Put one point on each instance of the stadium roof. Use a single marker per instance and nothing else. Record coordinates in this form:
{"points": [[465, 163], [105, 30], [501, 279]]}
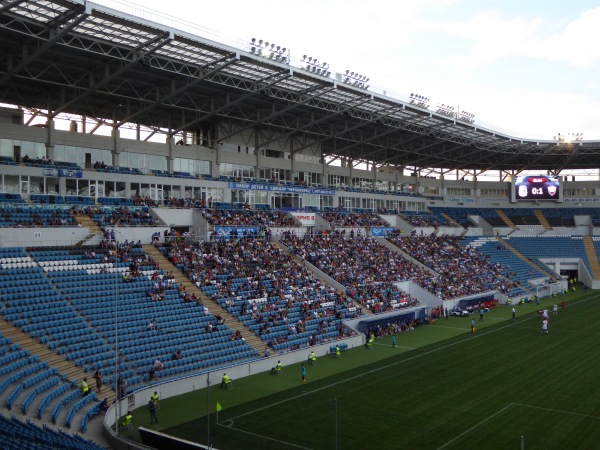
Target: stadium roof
{"points": [[70, 56]]}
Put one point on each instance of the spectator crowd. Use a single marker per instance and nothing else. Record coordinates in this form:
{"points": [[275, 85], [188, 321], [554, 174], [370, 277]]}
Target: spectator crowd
{"points": [[274, 295]]}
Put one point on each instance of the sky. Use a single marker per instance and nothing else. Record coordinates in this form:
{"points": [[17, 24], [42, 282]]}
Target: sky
{"points": [[527, 68]]}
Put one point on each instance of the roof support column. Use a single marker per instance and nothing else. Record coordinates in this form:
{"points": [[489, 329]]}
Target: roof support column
{"points": [[170, 158], [256, 151], [115, 134], [324, 177], [50, 139]]}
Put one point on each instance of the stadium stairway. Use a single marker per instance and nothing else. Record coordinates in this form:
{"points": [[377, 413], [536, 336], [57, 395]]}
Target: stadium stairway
{"points": [[543, 221], [65, 368], [506, 219], [590, 251], [453, 222], [67, 371], [95, 230], [231, 322], [516, 252]]}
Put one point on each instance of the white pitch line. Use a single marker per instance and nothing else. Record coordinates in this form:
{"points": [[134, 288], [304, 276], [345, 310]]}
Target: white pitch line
{"points": [[475, 426], [397, 346], [265, 437], [558, 411]]}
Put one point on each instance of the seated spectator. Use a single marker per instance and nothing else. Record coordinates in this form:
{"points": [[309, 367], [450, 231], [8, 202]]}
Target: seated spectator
{"points": [[158, 364], [104, 405], [178, 354], [236, 336], [152, 374]]}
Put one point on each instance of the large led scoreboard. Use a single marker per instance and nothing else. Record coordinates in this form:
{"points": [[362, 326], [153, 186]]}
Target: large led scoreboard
{"points": [[537, 187]]}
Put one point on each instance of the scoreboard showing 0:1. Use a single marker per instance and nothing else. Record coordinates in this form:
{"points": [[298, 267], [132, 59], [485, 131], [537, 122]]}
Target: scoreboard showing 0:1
{"points": [[537, 187], [537, 191]]}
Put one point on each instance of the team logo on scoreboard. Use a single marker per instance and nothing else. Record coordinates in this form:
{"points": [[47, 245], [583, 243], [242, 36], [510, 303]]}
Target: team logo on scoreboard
{"points": [[552, 190], [522, 191]]}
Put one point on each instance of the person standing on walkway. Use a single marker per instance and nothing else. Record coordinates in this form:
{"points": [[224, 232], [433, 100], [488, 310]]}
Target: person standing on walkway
{"points": [[152, 409], [99, 381]]}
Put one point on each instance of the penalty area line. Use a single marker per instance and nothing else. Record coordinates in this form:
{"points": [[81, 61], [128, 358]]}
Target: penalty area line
{"points": [[231, 427]]}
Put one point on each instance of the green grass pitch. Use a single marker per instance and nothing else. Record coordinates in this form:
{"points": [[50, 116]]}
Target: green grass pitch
{"points": [[505, 387]]}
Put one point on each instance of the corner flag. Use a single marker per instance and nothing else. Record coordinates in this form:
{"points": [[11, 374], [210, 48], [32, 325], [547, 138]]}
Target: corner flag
{"points": [[219, 407]]}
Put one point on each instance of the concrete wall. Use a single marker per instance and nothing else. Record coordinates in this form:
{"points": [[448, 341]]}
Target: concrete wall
{"points": [[450, 231], [175, 217], [41, 237], [474, 231]]}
